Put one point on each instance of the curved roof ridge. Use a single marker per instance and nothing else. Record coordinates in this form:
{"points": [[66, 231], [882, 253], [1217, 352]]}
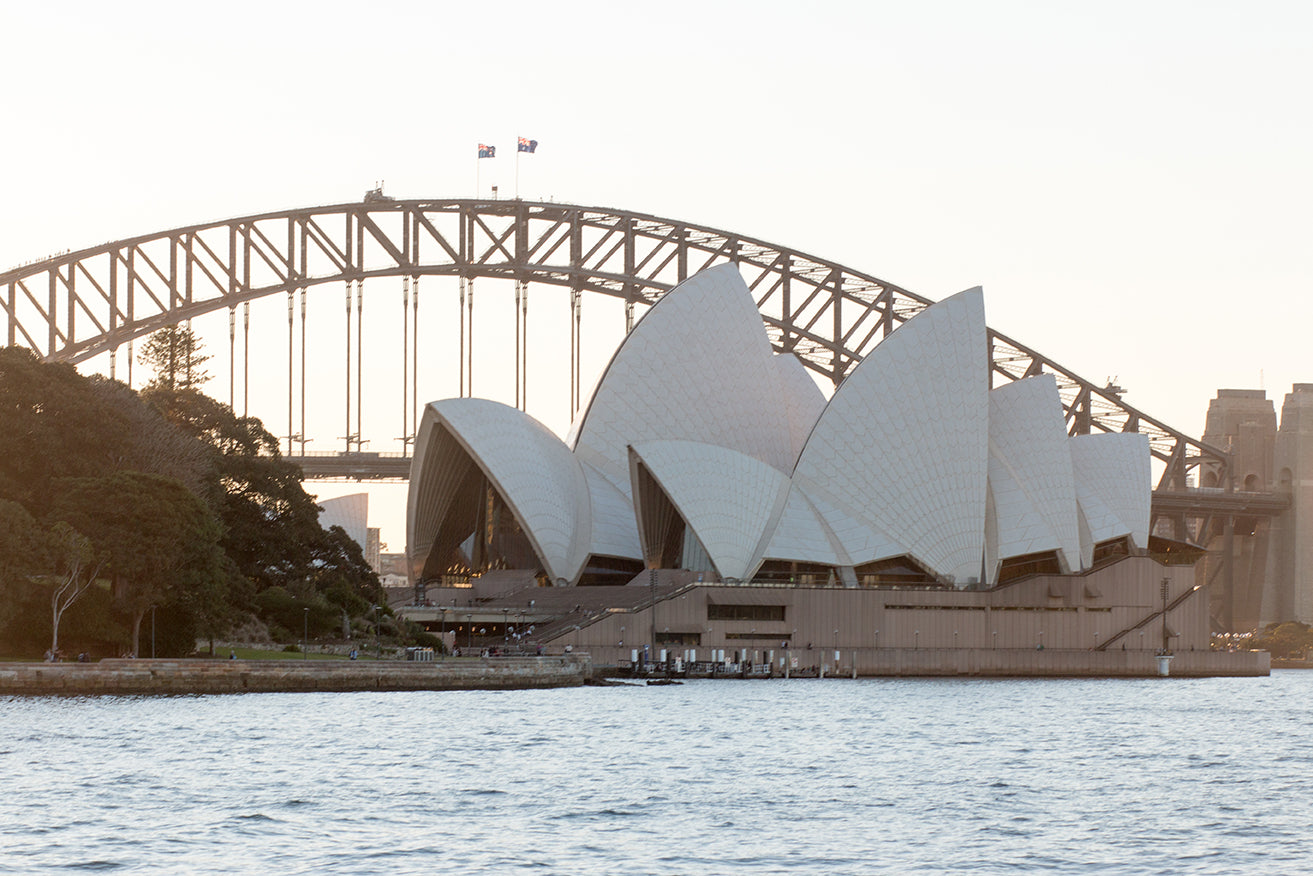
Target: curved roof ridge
{"points": [[904, 439], [730, 500], [1113, 484], [533, 471], [696, 367], [1031, 479]]}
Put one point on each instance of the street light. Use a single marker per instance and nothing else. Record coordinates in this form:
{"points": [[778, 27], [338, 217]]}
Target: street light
{"points": [[305, 633], [152, 632], [505, 613]]}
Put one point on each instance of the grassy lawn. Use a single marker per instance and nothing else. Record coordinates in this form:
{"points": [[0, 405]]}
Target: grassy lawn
{"points": [[258, 654]]}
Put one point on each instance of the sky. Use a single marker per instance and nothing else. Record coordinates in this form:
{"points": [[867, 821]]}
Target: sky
{"points": [[1129, 181]]}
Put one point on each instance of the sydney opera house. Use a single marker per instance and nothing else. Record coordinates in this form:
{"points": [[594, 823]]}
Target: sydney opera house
{"points": [[709, 461]]}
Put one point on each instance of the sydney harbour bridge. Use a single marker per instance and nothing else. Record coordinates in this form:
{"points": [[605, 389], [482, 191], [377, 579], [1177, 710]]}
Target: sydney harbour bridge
{"points": [[86, 303]]}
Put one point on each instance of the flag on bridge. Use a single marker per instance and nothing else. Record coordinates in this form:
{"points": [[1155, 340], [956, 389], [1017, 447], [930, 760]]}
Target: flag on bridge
{"points": [[527, 145], [487, 151]]}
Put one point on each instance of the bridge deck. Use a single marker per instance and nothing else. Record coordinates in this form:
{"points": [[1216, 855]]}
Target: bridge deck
{"points": [[353, 466]]}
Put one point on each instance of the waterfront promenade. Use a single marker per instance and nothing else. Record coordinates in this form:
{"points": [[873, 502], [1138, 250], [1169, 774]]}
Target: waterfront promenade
{"points": [[145, 676]]}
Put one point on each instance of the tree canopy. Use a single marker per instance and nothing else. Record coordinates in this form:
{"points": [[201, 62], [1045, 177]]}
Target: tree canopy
{"points": [[181, 505], [176, 355]]}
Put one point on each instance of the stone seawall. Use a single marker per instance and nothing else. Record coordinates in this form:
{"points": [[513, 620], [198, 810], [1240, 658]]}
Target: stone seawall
{"points": [[150, 677]]}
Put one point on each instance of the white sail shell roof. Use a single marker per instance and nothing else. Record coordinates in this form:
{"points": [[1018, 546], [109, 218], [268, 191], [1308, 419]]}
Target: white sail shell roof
{"points": [[697, 367], [912, 456], [531, 468], [903, 443], [730, 500], [1030, 472], [614, 528], [351, 512], [803, 536], [803, 401], [1113, 484]]}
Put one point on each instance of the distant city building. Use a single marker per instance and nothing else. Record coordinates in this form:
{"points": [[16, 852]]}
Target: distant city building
{"points": [[1291, 552], [1271, 574]]}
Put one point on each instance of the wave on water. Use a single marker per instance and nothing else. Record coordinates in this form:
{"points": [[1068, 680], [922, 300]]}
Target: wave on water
{"points": [[880, 776]]}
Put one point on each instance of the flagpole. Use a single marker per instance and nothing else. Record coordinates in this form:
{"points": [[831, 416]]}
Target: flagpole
{"points": [[517, 168]]}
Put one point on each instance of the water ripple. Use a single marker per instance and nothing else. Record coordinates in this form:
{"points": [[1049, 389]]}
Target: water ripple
{"points": [[881, 776]]}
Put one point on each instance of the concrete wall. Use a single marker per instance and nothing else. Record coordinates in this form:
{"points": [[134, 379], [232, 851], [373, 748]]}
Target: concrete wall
{"points": [[270, 676], [1066, 615], [1028, 663]]}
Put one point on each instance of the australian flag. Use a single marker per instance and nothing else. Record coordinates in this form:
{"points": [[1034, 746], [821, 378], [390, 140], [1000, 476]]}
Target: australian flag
{"points": [[527, 145], [487, 151]]}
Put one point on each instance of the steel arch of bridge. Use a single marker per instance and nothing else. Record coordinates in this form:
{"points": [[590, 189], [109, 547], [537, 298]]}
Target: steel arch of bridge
{"points": [[77, 304]]}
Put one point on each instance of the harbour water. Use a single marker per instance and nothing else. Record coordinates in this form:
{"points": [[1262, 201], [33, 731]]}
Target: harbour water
{"points": [[819, 777]]}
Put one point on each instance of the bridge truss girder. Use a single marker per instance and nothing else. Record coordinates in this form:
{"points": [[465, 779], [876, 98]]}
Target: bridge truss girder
{"points": [[78, 304]]}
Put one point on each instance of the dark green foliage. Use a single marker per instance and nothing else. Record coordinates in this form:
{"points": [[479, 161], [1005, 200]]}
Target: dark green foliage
{"points": [[158, 539], [1291, 639], [288, 616], [52, 424], [191, 509], [20, 543], [176, 355], [93, 625]]}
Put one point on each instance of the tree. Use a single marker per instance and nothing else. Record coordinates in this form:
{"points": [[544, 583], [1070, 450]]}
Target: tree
{"points": [[154, 445], [271, 525], [76, 568], [155, 535], [177, 356], [1291, 639], [54, 425], [19, 556]]}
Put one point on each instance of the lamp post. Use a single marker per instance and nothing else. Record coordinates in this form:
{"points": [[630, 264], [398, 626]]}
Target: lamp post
{"points": [[505, 613], [652, 589], [993, 638], [152, 632], [1166, 639], [916, 639], [305, 633]]}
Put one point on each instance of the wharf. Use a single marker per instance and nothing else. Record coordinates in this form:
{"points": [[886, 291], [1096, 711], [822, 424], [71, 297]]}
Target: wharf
{"points": [[984, 662], [210, 676]]}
